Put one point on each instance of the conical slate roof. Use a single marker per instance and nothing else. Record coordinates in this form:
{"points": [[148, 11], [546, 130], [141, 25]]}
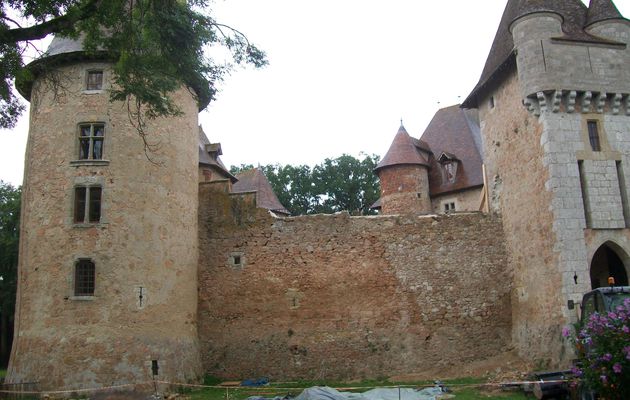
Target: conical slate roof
{"points": [[404, 151], [254, 180], [602, 10], [501, 56]]}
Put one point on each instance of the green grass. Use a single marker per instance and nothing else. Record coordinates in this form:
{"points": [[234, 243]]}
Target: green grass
{"points": [[294, 388], [3, 373]]}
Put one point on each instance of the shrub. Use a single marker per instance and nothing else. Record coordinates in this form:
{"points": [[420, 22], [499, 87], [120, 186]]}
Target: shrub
{"points": [[603, 345]]}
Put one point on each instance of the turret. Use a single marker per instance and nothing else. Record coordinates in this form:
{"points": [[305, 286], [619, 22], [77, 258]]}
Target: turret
{"points": [[604, 20], [404, 176], [108, 254]]}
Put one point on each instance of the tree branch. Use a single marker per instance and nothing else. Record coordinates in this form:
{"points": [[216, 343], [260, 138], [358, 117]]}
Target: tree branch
{"points": [[39, 31]]}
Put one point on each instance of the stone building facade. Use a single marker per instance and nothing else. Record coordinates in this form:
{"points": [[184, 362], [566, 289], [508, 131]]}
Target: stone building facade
{"points": [[554, 109], [124, 267]]}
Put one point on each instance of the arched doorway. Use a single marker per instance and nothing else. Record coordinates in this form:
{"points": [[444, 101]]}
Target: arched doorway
{"points": [[607, 262]]}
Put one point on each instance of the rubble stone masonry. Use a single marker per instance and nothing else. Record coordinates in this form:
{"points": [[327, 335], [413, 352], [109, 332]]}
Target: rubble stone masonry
{"points": [[334, 296]]}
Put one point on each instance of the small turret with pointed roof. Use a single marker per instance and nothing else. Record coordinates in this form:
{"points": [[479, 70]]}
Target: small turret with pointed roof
{"points": [[404, 176], [602, 10]]}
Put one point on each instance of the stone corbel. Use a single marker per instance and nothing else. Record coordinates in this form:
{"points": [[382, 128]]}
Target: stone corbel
{"points": [[571, 101], [556, 100], [600, 102], [542, 101], [531, 106], [616, 103], [586, 102]]}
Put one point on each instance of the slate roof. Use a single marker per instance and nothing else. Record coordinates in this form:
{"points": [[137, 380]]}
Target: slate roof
{"points": [[454, 132], [62, 50], [602, 10], [212, 159], [254, 180], [404, 150], [574, 14]]}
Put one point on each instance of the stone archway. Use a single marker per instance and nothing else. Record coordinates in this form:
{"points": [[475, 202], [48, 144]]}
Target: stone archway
{"points": [[608, 261]]}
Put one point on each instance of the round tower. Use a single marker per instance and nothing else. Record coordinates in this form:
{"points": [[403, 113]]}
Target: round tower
{"points": [[404, 176], [107, 290]]}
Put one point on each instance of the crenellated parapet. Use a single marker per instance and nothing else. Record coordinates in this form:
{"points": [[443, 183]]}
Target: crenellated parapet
{"points": [[578, 101]]}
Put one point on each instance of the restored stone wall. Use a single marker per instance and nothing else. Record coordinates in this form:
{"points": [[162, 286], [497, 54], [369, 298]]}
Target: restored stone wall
{"points": [[404, 189], [333, 296], [513, 156], [145, 243]]}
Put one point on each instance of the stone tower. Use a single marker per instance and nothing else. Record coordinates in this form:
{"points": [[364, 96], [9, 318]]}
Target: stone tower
{"points": [[404, 176], [108, 254], [554, 104]]}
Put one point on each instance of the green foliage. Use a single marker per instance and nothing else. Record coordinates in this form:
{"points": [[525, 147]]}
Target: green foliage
{"points": [[157, 45], [9, 245], [604, 353], [345, 183]]}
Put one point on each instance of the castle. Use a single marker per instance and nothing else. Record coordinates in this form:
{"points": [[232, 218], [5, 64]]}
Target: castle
{"points": [[126, 270]]}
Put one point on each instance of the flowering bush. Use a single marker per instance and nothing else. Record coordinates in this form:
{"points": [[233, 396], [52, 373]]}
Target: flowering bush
{"points": [[603, 345]]}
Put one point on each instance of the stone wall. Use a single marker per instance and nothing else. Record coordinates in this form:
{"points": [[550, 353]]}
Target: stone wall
{"points": [[404, 188], [517, 177], [333, 296], [465, 200]]}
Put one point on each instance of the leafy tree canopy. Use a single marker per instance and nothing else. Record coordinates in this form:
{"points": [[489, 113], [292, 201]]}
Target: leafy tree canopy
{"points": [[9, 239], [345, 183], [156, 45]]}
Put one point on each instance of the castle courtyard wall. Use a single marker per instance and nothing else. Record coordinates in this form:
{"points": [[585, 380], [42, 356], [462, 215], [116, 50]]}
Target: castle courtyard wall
{"points": [[334, 296]]}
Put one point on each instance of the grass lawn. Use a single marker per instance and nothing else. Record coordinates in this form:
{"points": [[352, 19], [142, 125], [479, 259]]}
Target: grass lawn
{"points": [[461, 389]]}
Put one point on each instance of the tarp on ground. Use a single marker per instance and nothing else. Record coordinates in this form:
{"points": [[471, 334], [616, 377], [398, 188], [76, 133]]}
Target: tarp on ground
{"points": [[328, 393]]}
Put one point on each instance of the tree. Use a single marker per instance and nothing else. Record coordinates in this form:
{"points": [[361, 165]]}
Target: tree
{"points": [[9, 240], [345, 183], [156, 46]]}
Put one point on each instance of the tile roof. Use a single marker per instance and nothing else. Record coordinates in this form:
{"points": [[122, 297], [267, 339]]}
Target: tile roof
{"points": [[209, 155], [602, 10], [501, 56], [254, 180], [452, 132], [404, 151]]}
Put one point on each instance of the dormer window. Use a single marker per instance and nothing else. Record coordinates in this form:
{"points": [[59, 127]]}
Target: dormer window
{"points": [[449, 167]]}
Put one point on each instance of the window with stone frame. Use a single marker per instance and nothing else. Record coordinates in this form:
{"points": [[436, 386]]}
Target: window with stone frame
{"points": [[84, 277], [91, 139], [593, 135], [449, 207], [94, 80], [87, 204]]}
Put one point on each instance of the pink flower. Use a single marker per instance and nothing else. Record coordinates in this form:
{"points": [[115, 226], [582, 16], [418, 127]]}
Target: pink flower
{"points": [[566, 332], [617, 368]]}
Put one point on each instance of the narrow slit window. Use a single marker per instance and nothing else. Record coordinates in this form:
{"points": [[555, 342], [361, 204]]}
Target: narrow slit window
{"points": [[84, 278], [593, 135], [91, 137], [94, 80], [87, 204]]}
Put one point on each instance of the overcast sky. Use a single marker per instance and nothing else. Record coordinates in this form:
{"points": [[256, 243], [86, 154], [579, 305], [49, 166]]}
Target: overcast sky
{"points": [[342, 74]]}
